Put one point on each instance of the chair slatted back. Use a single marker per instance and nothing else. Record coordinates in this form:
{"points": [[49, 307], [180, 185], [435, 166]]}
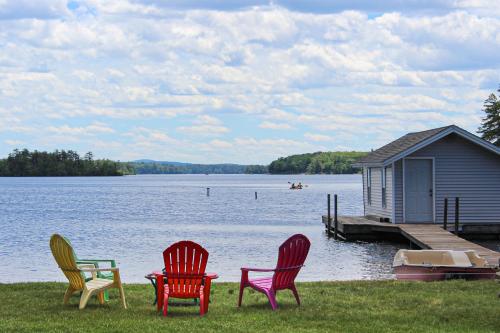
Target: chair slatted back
{"points": [[65, 257], [292, 255], [185, 264]]}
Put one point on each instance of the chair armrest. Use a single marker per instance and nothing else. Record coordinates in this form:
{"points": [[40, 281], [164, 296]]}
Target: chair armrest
{"points": [[257, 269], [111, 269], [84, 266], [84, 261], [99, 260]]}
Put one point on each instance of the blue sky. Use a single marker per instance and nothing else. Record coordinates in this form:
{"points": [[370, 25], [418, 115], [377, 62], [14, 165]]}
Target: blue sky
{"points": [[239, 81]]}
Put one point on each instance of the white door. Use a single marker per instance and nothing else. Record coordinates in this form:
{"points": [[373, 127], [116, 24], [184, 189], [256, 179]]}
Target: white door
{"points": [[418, 190]]}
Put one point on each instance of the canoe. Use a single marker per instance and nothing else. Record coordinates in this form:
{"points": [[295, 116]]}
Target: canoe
{"points": [[433, 265]]}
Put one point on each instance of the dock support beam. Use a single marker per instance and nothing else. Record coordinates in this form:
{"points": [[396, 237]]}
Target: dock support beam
{"points": [[335, 221], [329, 216], [445, 214]]}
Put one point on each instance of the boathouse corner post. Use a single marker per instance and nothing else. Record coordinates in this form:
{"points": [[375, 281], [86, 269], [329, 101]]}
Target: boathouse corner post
{"points": [[445, 214], [329, 215], [335, 220]]}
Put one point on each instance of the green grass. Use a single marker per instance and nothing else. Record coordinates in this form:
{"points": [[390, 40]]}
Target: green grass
{"points": [[358, 306]]}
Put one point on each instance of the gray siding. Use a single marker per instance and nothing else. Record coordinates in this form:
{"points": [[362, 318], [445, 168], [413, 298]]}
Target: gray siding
{"points": [[398, 191], [468, 171], [376, 192]]}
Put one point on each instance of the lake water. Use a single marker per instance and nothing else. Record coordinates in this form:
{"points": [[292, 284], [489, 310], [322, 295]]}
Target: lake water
{"points": [[134, 218]]}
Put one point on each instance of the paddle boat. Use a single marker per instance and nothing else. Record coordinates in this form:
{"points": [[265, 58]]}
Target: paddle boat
{"points": [[432, 265]]}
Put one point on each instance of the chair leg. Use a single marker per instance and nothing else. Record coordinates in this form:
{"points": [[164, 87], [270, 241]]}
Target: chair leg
{"points": [[243, 284], [84, 299], [296, 294], [100, 297], [271, 295], [202, 302], [67, 294], [106, 295], [242, 289], [165, 304], [122, 296]]}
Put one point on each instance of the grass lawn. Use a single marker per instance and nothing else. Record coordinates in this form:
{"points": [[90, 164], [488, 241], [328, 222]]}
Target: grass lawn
{"points": [[357, 306]]}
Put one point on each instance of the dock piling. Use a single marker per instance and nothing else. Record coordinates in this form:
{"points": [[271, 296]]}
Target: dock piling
{"points": [[329, 216], [445, 214], [255, 195], [457, 213], [335, 221], [208, 191]]}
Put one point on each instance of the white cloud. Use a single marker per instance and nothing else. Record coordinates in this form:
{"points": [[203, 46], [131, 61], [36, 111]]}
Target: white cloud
{"points": [[93, 129], [14, 142], [275, 126], [40, 9], [189, 73], [206, 126], [317, 137]]}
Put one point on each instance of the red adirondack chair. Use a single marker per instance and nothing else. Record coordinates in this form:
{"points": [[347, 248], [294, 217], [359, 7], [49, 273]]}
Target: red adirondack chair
{"points": [[292, 254], [185, 264]]}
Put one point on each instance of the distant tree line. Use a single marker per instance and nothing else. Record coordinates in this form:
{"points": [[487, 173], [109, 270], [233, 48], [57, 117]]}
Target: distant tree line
{"points": [[256, 169], [317, 163], [68, 163], [21, 163], [165, 168]]}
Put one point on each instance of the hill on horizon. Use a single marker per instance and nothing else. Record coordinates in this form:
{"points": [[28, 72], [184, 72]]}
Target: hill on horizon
{"points": [[181, 163]]}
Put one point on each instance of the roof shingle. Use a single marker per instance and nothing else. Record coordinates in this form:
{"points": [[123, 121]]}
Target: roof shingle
{"points": [[397, 146]]}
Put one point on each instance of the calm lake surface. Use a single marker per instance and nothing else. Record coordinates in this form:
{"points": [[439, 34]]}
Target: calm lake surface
{"points": [[134, 218]]}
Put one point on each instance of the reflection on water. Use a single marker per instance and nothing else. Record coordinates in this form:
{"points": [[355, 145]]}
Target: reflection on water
{"points": [[133, 219]]}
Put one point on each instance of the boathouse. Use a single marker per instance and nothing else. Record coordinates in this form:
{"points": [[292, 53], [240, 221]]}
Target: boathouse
{"points": [[407, 180]]}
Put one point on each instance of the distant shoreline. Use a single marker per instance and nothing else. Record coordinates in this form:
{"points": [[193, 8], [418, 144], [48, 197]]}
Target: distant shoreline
{"points": [[194, 174]]}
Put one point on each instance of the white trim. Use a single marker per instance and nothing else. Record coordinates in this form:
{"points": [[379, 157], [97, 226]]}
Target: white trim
{"points": [[440, 135], [393, 213], [383, 187], [404, 196], [433, 185]]}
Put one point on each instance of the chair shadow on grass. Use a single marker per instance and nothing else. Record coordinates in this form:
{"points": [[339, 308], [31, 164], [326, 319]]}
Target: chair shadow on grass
{"points": [[257, 301]]}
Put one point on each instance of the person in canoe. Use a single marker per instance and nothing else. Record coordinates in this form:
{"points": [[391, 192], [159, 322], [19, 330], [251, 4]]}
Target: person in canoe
{"points": [[299, 186], [293, 187]]}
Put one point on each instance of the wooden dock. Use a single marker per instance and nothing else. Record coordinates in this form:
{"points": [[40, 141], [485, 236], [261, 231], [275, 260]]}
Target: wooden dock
{"points": [[425, 236]]}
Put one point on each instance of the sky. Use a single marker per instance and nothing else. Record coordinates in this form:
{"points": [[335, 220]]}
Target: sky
{"points": [[240, 81]]}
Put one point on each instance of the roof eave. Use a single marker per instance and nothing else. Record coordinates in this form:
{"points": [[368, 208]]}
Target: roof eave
{"points": [[367, 164], [453, 129]]}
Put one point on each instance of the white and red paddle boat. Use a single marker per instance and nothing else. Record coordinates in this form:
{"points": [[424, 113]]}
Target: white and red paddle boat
{"points": [[432, 265]]}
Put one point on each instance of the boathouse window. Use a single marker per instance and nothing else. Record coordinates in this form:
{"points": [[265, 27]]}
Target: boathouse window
{"points": [[384, 186], [369, 185]]}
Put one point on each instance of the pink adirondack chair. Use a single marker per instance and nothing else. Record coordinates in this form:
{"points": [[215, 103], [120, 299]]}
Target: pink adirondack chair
{"points": [[292, 254]]}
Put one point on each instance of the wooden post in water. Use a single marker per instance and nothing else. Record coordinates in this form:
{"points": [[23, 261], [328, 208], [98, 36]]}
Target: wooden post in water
{"points": [[328, 216], [208, 191], [457, 212], [256, 195], [335, 221], [445, 214]]}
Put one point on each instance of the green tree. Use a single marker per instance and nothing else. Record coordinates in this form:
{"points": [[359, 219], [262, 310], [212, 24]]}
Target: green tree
{"points": [[316, 163], [490, 126], [21, 163]]}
